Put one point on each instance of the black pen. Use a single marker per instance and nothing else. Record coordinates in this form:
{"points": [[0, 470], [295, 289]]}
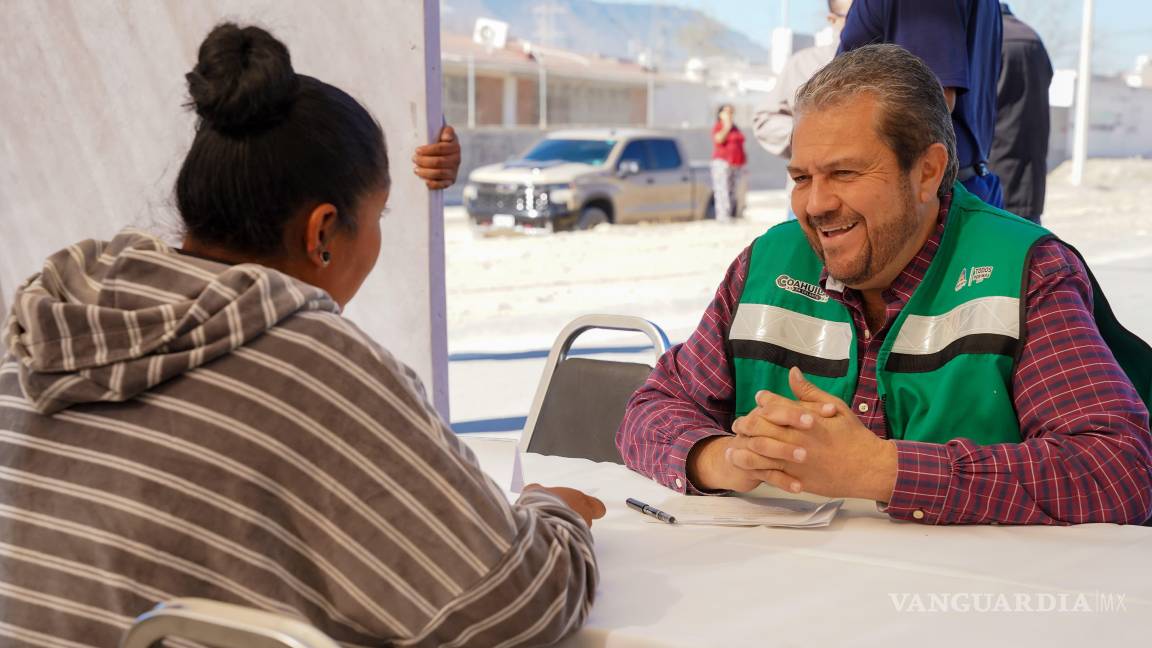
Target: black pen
{"points": [[650, 511]]}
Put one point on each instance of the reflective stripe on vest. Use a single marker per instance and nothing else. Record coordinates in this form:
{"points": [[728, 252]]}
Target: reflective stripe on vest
{"points": [[787, 338], [984, 325]]}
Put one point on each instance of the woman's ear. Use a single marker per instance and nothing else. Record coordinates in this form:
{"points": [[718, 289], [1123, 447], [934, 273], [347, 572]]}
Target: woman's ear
{"points": [[319, 231]]}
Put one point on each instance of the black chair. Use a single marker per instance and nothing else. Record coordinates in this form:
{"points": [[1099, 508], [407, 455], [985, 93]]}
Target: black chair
{"points": [[580, 401], [221, 625]]}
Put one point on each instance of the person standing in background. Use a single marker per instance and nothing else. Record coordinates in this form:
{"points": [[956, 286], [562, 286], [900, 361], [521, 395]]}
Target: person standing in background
{"points": [[772, 124], [1020, 147], [960, 42], [728, 161]]}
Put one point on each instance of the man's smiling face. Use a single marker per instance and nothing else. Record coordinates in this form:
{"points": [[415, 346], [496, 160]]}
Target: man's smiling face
{"points": [[854, 203]]}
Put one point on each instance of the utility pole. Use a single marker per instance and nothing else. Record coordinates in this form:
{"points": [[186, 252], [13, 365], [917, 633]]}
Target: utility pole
{"points": [[471, 91], [1083, 87], [546, 34], [650, 118], [546, 14], [543, 83], [655, 56]]}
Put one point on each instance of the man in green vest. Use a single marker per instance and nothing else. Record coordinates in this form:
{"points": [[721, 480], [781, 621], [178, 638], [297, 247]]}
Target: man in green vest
{"points": [[903, 341]]}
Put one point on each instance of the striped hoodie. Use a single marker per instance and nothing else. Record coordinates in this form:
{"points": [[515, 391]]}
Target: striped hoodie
{"points": [[171, 426]]}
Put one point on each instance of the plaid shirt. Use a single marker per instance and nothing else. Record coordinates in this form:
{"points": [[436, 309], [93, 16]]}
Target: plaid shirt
{"points": [[1086, 454]]}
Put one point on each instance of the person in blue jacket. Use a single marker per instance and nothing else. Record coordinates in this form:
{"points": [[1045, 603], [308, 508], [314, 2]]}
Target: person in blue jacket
{"points": [[960, 40]]}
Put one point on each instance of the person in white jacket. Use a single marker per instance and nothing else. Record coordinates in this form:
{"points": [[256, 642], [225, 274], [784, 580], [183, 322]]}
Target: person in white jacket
{"points": [[772, 123]]}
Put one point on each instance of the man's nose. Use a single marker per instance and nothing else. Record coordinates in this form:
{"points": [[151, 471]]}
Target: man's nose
{"points": [[821, 198]]}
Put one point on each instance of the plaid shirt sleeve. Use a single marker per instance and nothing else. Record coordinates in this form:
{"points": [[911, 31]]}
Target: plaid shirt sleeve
{"points": [[689, 395], [1087, 452]]}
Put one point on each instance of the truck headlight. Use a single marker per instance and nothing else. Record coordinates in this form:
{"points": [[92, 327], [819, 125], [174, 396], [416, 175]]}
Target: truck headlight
{"points": [[555, 194]]}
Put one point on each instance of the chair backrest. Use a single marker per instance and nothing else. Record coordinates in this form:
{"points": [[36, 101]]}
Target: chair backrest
{"points": [[221, 625], [580, 401]]}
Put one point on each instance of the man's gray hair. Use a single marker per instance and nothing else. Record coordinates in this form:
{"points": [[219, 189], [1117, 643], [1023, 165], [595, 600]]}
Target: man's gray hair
{"points": [[913, 113]]}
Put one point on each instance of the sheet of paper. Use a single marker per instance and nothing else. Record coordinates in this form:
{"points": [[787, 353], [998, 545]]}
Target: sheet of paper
{"points": [[517, 481], [500, 459], [750, 511]]}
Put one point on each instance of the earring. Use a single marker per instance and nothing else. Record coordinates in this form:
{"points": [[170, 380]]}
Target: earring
{"points": [[325, 257]]}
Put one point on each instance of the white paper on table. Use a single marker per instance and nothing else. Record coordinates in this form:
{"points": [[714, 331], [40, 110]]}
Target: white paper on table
{"points": [[517, 481], [750, 511], [500, 459]]}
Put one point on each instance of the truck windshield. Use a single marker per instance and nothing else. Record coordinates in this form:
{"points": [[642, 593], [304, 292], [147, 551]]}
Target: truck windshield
{"points": [[592, 152]]}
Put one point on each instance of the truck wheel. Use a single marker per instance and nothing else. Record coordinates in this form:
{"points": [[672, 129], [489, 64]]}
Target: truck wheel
{"points": [[591, 216]]}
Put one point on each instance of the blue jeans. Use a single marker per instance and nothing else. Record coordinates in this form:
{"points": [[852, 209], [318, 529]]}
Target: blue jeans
{"points": [[986, 188]]}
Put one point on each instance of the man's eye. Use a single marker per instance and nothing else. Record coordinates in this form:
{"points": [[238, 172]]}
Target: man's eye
{"points": [[844, 173], [799, 178]]}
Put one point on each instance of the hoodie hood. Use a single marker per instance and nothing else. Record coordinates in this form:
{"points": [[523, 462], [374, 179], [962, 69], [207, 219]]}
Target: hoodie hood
{"points": [[105, 321]]}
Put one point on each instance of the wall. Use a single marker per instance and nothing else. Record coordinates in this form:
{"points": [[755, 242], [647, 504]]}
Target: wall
{"points": [[581, 101], [1120, 123], [92, 133], [1121, 119], [571, 100], [683, 104]]}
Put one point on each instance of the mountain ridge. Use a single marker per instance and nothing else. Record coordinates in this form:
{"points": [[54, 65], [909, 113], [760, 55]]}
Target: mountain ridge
{"points": [[613, 29]]}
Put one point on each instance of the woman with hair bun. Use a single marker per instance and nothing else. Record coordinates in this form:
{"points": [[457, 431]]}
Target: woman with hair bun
{"points": [[201, 421]]}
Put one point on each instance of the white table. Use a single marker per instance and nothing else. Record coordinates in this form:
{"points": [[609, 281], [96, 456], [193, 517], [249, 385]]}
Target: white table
{"points": [[677, 585]]}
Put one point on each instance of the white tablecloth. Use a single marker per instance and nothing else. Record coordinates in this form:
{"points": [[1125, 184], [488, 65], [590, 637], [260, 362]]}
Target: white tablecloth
{"points": [[677, 585]]}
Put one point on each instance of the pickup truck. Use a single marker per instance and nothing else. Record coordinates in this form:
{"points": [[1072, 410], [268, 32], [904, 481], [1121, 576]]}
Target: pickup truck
{"points": [[578, 179]]}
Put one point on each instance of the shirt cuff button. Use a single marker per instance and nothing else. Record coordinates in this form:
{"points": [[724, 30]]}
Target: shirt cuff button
{"points": [[918, 514], [679, 483]]}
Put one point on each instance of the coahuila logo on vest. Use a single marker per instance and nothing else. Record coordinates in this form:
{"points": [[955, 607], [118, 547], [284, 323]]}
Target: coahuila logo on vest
{"points": [[802, 288], [973, 275]]}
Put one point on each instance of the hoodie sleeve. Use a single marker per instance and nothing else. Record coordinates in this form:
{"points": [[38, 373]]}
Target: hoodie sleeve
{"points": [[457, 564]]}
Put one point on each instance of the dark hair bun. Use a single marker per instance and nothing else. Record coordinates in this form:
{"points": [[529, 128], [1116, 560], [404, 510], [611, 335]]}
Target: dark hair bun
{"points": [[243, 79]]}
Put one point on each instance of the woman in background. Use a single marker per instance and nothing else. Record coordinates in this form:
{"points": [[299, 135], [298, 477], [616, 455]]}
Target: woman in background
{"points": [[727, 164], [203, 422]]}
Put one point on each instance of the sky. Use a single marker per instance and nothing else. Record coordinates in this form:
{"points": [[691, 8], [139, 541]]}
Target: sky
{"points": [[1122, 30]]}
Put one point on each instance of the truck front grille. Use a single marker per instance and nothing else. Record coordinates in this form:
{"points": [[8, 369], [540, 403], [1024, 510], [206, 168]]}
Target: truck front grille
{"points": [[502, 198]]}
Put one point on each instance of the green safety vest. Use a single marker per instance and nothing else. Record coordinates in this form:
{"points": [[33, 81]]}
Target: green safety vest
{"points": [[945, 368]]}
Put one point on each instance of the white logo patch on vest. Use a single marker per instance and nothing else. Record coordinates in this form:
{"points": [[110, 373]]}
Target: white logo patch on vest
{"points": [[802, 288], [973, 275]]}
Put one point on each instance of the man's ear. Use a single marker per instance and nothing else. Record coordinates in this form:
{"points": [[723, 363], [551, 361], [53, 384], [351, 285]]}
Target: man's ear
{"points": [[931, 167], [319, 229]]}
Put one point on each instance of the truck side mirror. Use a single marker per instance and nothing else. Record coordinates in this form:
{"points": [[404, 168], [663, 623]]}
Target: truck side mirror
{"points": [[627, 168]]}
